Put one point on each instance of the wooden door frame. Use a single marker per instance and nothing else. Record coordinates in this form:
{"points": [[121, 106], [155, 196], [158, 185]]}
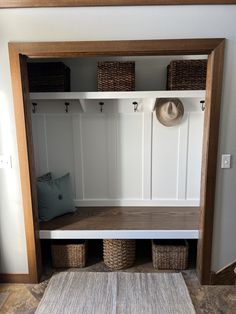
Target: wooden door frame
{"points": [[88, 3], [213, 47]]}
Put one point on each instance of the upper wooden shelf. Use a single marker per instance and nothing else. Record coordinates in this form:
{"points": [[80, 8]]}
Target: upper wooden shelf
{"points": [[119, 95]]}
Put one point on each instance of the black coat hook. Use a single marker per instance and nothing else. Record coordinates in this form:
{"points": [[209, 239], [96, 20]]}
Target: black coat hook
{"points": [[202, 102], [101, 106], [135, 104], [34, 104], [67, 107]]}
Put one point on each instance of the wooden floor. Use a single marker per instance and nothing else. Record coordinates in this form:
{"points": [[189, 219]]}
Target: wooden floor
{"points": [[99, 222]]}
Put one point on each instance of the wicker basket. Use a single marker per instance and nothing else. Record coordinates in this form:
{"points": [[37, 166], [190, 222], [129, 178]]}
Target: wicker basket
{"points": [[48, 77], [116, 76], [187, 75], [69, 253], [170, 254], [118, 254]]}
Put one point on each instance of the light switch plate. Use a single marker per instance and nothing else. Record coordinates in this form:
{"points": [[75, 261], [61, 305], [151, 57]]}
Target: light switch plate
{"points": [[5, 161], [225, 161]]}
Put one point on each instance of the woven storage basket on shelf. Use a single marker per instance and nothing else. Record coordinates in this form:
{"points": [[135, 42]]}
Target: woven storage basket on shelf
{"points": [[170, 254], [69, 253], [48, 77], [187, 75], [118, 254], [116, 76]]}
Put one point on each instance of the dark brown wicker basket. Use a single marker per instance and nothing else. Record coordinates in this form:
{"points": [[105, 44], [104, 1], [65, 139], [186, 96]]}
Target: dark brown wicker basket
{"points": [[48, 77], [116, 76], [187, 75], [69, 253], [118, 254], [170, 254]]}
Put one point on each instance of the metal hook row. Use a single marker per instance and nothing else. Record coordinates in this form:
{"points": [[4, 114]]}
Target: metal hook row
{"points": [[135, 104], [67, 104], [34, 105]]}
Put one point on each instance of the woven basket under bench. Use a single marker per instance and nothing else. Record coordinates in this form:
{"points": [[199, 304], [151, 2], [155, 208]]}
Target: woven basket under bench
{"points": [[170, 254], [118, 254], [69, 253]]}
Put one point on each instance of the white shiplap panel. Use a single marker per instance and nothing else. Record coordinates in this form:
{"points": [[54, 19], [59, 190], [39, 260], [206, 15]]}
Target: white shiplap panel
{"points": [[122, 156], [147, 155], [164, 161], [182, 157], [78, 156], [194, 154], [94, 128], [113, 191], [40, 145], [129, 155], [60, 148]]}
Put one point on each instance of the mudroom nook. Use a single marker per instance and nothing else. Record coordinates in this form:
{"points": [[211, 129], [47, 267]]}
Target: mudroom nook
{"points": [[133, 175], [121, 164]]}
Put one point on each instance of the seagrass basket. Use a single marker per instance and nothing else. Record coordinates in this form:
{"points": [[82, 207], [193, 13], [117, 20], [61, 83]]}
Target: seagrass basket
{"points": [[116, 76], [48, 77], [170, 254], [69, 253], [119, 254], [187, 75]]}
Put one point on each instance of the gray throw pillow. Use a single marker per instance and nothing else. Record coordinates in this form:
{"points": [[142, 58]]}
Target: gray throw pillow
{"points": [[45, 177], [54, 197]]}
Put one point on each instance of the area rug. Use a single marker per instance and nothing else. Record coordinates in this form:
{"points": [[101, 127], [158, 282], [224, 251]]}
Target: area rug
{"points": [[116, 293], [3, 296]]}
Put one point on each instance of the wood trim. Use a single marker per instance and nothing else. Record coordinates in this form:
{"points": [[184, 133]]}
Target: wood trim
{"points": [[225, 276], [15, 278], [78, 3], [29, 134], [23, 152], [213, 47], [117, 48], [209, 160]]}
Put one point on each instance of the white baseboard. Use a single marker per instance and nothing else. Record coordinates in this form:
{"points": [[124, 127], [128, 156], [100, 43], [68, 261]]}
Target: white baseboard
{"points": [[138, 203]]}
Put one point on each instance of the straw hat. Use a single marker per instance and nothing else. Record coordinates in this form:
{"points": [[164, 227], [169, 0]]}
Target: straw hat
{"points": [[169, 111]]}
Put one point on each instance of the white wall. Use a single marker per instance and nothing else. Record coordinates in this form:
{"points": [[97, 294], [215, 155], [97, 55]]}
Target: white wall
{"points": [[107, 24], [121, 157]]}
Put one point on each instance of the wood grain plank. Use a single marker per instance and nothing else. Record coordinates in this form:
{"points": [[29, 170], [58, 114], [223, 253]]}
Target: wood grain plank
{"points": [[32, 171], [127, 218], [209, 161], [15, 278], [19, 81], [78, 3], [117, 48]]}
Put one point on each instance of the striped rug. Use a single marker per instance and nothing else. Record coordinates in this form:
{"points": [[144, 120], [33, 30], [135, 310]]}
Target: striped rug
{"points": [[3, 296], [116, 293]]}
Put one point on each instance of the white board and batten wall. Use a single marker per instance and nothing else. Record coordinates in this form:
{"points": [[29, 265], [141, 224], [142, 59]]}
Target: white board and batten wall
{"points": [[118, 156]]}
